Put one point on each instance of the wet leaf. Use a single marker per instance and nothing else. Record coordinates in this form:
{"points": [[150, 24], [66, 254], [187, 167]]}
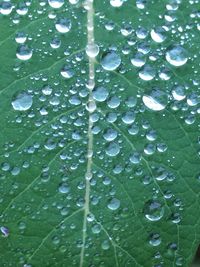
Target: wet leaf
{"points": [[99, 133]]}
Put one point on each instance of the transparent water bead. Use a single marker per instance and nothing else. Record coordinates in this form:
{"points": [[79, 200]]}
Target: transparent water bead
{"points": [[156, 100], [6, 8], [138, 60], [154, 239], [112, 149], [114, 204], [20, 38], [110, 61], [147, 73], [153, 210], [4, 231], [178, 93], [63, 25], [22, 102], [177, 55], [67, 72], [158, 35], [100, 94], [116, 3], [24, 52], [56, 3], [92, 50]]}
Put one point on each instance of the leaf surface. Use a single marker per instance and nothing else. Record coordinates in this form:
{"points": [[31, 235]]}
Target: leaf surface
{"points": [[99, 150]]}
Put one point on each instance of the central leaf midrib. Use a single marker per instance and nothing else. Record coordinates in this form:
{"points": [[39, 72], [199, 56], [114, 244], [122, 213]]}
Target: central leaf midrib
{"points": [[91, 102]]}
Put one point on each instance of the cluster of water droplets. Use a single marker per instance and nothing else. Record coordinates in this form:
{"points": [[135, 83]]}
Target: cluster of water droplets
{"points": [[134, 76]]}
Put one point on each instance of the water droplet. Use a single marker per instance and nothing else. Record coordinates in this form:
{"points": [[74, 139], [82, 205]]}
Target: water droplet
{"points": [[100, 94], [20, 37], [158, 34], [178, 93], [56, 3], [63, 188], [138, 60], [67, 72], [92, 50], [63, 25], [4, 231], [156, 100], [116, 3], [114, 204], [110, 135], [6, 8], [176, 55], [111, 61], [22, 102], [128, 117], [113, 149], [24, 52], [147, 73], [155, 239], [153, 210]]}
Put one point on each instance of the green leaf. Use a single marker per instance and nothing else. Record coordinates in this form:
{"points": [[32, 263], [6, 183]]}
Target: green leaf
{"points": [[99, 133]]}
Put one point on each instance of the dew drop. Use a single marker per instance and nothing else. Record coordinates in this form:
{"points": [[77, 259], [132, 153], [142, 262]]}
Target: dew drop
{"points": [[56, 3], [100, 94], [138, 60], [63, 25], [113, 149], [22, 102], [4, 231], [156, 100], [158, 34], [178, 93], [153, 210], [114, 204], [63, 188], [155, 239], [177, 55], [116, 3], [111, 61], [92, 50], [24, 52], [147, 73], [5, 8]]}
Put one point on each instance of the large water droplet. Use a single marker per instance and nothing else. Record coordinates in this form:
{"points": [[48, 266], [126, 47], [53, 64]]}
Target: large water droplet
{"points": [[22, 102], [154, 239], [6, 8], [92, 50], [177, 55], [100, 94], [153, 210], [114, 204], [63, 25], [56, 3], [111, 61], [147, 73], [113, 149], [116, 3], [156, 100], [158, 34], [24, 52]]}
